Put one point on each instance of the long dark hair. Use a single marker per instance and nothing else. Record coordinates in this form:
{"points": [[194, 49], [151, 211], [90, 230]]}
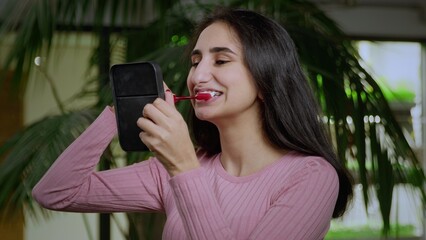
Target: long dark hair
{"points": [[290, 112]]}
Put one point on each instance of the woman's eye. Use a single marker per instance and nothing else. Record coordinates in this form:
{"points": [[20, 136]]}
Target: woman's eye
{"points": [[220, 62], [194, 64]]}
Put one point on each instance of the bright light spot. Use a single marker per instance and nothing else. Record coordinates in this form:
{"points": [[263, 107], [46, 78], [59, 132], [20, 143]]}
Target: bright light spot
{"points": [[37, 60], [377, 119]]}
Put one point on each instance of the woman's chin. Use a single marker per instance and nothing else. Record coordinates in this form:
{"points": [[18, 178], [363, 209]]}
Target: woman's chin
{"points": [[204, 115]]}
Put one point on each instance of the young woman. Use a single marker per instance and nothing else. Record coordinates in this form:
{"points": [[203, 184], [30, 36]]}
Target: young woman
{"points": [[263, 167]]}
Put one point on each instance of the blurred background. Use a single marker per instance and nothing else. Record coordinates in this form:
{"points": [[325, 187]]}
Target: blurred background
{"points": [[365, 59]]}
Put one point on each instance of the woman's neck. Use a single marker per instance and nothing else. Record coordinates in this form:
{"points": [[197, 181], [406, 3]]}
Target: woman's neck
{"points": [[245, 149]]}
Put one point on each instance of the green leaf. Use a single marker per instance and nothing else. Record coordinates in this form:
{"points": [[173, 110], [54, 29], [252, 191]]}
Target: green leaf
{"points": [[31, 152]]}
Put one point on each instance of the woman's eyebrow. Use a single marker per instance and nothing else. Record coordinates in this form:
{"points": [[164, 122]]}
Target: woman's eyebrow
{"points": [[214, 50], [221, 49]]}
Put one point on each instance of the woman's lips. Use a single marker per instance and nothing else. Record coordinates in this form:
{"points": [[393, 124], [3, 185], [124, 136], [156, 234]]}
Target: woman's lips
{"points": [[212, 92], [204, 96], [199, 96], [211, 95]]}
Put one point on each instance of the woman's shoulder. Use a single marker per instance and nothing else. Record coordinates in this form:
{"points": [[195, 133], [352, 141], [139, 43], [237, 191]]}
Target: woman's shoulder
{"points": [[297, 165], [301, 160], [300, 171]]}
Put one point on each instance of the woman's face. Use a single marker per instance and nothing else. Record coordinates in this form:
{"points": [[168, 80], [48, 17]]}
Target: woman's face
{"points": [[218, 67]]}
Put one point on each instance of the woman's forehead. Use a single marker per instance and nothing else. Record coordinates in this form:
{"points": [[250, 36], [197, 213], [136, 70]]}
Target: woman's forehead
{"points": [[218, 34]]}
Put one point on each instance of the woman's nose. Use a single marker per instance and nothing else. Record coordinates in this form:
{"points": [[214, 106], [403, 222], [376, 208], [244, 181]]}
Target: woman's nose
{"points": [[202, 73]]}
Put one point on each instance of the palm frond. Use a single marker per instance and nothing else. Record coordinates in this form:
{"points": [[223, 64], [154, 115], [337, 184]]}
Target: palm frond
{"points": [[31, 152]]}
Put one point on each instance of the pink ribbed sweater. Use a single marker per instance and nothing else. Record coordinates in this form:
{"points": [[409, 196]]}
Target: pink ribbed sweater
{"points": [[291, 199]]}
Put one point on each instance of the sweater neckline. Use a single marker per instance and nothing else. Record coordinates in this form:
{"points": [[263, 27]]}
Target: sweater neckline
{"points": [[225, 175]]}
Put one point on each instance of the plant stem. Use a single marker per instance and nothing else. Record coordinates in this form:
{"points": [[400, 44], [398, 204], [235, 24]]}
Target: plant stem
{"points": [[53, 89]]}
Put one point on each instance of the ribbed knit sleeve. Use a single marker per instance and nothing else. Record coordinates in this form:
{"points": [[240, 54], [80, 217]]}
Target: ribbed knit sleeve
{"points": [[72, 184], [301, 209]]}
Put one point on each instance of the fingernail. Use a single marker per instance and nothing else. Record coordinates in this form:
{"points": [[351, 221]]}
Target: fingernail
{"points": [[168, 90]]}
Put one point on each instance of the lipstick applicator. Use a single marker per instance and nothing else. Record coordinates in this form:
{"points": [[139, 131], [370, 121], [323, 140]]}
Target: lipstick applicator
{"points": [[198, 96]]}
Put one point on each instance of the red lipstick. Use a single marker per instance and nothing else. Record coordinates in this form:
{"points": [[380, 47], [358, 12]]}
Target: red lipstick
{"points": [[198, 96]]}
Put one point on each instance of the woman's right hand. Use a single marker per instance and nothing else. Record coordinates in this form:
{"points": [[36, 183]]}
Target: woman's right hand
{"points": [[164, 132]]}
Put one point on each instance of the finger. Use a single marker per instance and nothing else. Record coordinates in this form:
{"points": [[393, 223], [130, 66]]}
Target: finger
{"points": [[147, 126], [169, 96], [155, 112], [145, 138], [151, 110], [166, 108], [165, 86], [170, 99], [162, 115]]}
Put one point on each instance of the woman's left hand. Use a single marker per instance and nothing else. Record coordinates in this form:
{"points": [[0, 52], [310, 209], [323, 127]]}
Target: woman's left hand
{"points": [[164, 131]]}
